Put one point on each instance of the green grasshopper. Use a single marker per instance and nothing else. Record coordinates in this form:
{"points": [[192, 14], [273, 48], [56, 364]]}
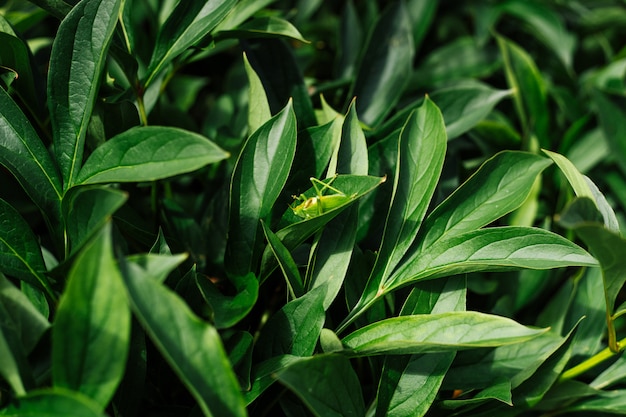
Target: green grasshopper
{"points": [[308, 207]]}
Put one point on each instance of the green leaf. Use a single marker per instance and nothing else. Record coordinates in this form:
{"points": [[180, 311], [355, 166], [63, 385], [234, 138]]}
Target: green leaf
{"points": [[279, 71], [478, 369], [584, 187], [241, 12], [57, 8], [149, 153], [86, 210], [76, 63], [258, 107], [500, 186], [91, 330], [285, 261], [327, 384], [466, 104], [385, 66], [409, 383], [610, 109], [607, 246], [188, 24], [264, 374], [295, 328], [607, 402], [442, 332], [20, 254], [501, 391], [192, 347], [258, 179], [421, 152], [350, 156], [545, 24], [23, 153], [264, 27], [15, 55], [460, 59], [53, 402], [492, 249], [229, 310], [529, 92], [29, 323]]}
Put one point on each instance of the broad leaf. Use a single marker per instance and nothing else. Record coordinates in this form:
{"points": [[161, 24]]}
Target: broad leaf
{"points": [[15, 55], [500, 186], [421, 151], [409, 383], [385, 65], [53, 402], [259, 176], [23, 153], [584, 187], [492, 249], [92, 325], [86, 209], [607, 246], [20, 254], [350, 156], [189, 23], [264, 374], [327, 384], [295, 328], [229, 310], [76, 63], [285, 261], [149, 153], [192, 347], [466, 104], [441, 332], [29, 324], [258, 107], [264, 27]]}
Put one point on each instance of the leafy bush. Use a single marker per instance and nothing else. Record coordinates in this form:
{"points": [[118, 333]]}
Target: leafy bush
{"points": [[444, 160]]}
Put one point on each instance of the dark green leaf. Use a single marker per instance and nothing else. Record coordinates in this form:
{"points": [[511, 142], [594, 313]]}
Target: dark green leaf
{"points": [[192, 347], [53, 402], [441, 332], [76, 64], [91, 329], [189, 23], [229, 310], [421, 151], [286, 263], [612, 117], [258, 107], [294, 329], [500, 186], [279, 71], [385, 65], [23, 153], [350, 157], [20, 255], [492, 249], [15, 55], [258, 179], [327, 384], [264, 27], [607, 246], [149, 153], [464, 105], [87, 209], [529, 92]]}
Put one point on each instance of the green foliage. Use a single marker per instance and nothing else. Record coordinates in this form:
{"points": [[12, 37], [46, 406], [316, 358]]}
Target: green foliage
{"points": [[231, 208]]}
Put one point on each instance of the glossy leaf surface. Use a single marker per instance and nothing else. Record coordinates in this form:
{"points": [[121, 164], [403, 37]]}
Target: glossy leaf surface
{"points": [[76, 64], [147, 154], [436, 333]]}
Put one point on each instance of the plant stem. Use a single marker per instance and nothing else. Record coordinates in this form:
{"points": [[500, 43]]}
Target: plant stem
{"points": [[595, 360]]}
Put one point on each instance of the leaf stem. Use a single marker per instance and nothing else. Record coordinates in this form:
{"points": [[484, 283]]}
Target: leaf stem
{"points": [[593, 361]]}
